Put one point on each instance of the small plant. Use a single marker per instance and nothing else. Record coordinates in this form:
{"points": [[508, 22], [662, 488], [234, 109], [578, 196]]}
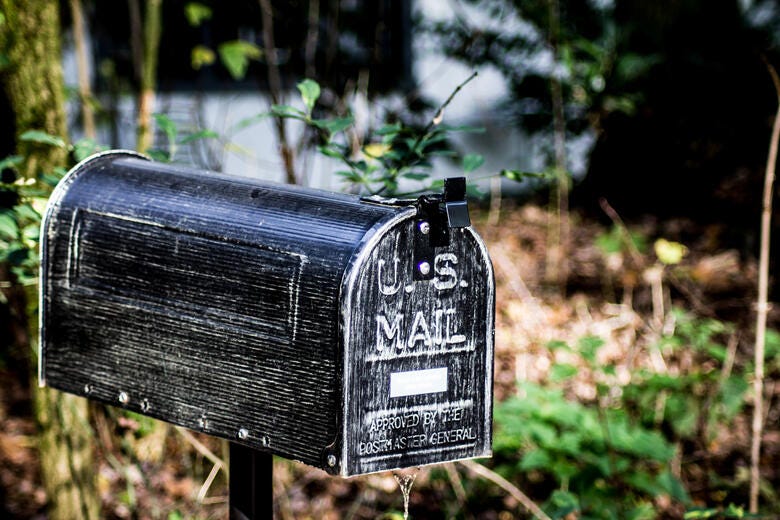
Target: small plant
{"points": [[20, 222], [392, 152], [603, 463], [612, 458]]}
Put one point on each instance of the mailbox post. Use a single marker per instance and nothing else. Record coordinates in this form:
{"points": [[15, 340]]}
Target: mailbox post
{"points": [[354, 335]]}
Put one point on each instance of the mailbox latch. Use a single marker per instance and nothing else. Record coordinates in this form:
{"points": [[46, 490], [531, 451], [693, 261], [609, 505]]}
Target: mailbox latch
{"points": [[436, 214]]}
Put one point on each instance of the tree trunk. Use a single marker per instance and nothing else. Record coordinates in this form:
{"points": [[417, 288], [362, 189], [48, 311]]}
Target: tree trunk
{"points": [[85, 89], [556, 268], [151, 44], [30, 38]]}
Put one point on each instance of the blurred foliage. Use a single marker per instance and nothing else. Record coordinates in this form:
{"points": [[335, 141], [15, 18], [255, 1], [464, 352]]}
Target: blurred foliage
{"points": [[20, 218], [613, 457], [522, 43], [392, 152]]}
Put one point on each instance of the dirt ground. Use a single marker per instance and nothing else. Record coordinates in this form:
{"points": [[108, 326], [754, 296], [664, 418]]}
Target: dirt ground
{"points": [[150, 470]]}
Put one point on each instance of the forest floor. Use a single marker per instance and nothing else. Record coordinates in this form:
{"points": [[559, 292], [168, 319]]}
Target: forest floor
{"points": [[617, 291]]}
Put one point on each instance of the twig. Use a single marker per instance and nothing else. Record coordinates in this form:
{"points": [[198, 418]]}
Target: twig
{"points": [[762, 306], [200, 447], [356, 505], [203, 450], [728, 363], [436, 120], [210, 501], [275, 89], [625, 236], [204, 489], [507, 486], [440, 112], [457, 487], [495, 201]]}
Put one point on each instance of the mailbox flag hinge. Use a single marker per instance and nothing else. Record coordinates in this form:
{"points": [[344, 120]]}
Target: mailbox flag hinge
{"points": [[436, 214]]}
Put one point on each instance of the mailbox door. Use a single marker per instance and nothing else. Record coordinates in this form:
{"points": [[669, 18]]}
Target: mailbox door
{"points": [[418, 353]]}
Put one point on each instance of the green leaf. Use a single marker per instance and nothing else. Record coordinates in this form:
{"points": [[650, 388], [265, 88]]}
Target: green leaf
{"points": [[517, 175], [50, 180], [333, 125], [310, 93], [197, 13], [556, 344], [2, 18], [668, 252], [562, 371], [632, 66], [697, 513], [330, 151], [472, 161], [26, 212], [41, 137], [732, 395], [350, 176], [644, 511], [589, 346], [247, 122], [159, 155], [534, 460], [32, 232], [83, 148], [200, 134], [610, 243], [389, 130], [9, 229], [416, 176], [12, 161], [201, 56], [563, 503], [673, 487], [235, 56], [287, 111], [167, 125]]}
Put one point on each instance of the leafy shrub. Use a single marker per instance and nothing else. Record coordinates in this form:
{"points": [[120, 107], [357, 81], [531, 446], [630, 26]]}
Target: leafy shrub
{"points": [[612, 458]]}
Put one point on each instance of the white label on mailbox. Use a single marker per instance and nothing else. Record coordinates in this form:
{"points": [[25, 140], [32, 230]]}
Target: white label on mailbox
{"points": [[416, 382]]}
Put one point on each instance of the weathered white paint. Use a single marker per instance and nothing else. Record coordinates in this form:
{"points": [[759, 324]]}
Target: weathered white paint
{"points": [[417, 382]]}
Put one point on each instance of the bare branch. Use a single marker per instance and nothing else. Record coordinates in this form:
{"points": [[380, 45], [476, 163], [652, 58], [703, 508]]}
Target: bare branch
{"points": [[762, 306], [507, 486], [275, 89]]}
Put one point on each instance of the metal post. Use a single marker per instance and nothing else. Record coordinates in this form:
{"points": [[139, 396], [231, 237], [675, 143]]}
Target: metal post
{"points": [[251, 484]]}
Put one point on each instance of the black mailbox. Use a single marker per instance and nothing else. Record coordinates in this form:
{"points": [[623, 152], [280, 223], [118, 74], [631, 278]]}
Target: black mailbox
{"points": [[350, 334]]}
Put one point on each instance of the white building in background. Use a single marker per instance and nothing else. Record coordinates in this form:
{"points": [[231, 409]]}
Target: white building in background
{"points": [[252, 151]]}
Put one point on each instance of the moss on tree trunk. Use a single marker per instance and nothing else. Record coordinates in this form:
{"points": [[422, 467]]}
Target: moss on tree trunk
{"points": [[30, 40]]}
